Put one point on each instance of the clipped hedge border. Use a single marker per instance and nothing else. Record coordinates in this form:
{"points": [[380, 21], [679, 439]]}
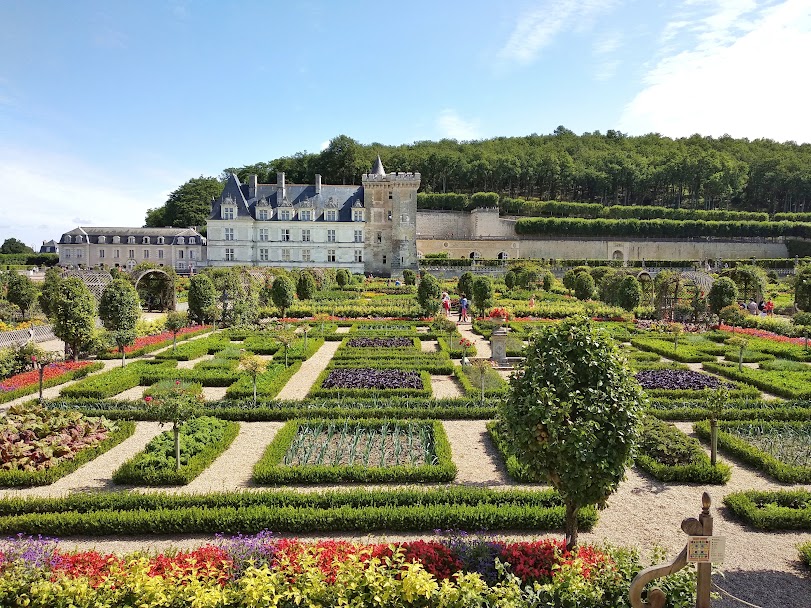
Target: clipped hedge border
{"points": [[772, 510], [109, 383], [158, 345], [682, 354], [804, 550], [188, 351], [515, 470], [699, 470], [750, 376], [750, 454], [739, 409], [472, 387], [269, 469], [127, 474], [268, 383], [61, 379], [204, 376], [362, 510], [21, 479], [455, 350]]}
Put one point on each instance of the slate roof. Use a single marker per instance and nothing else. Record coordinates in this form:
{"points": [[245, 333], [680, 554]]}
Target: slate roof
{"points": [[298, 196], [378, 169], [168, 233]]}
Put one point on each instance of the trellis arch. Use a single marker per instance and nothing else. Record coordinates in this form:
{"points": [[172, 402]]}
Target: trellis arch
{"points": [[166, 298], [95, 280], [665, 302]]}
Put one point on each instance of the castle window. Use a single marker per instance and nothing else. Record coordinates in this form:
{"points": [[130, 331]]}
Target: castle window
{"points": [[68, 253], [146, 254], [358, 236], [330, 236], [160, 254], [191, 254], [284, 215], [180, 254], [229, 254], [379, 237], [264, 234], [101, 253], [305, 236], [180, 265], [66, 238], [227, 213], [305, 255], [180, 241], [389, 215], [116, 240], [357, 215], [145, 240], [332, 215], [117, 253], [131, 254], [263, 255], [130, 240], [262, 215], [285, 235], [285, 255], [330, 255], [384, 259], [503, 255], [391, 195], [192, 240], [77, 239], [102, 239], [358, 255], [305, 215]]}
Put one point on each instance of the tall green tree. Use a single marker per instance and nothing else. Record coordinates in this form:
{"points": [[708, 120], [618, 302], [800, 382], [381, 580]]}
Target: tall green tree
{"points": [[50, 291], [584, 286], [21, 291], [429, 293], [188, 205], [305, 286], [464, 286], [202, 297], [483, 294], [120, 309], [282, 293], [12, 245], [75, 315], [802, 288], [723, 292], [572, 414]]}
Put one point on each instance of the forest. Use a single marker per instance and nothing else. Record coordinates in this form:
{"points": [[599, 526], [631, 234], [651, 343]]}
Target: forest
{"points": [[610, 169]]}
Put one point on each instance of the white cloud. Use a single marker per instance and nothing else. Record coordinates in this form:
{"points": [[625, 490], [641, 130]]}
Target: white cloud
{"points": [[739, 76], [43, 195], [324, 145], [451, 125], [537, 28], [603, 49]]}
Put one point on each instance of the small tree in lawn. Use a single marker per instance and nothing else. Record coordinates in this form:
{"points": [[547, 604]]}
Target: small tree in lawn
{"points": [[572, 413], [444, 325], [254, 366], [21, 291], [120, 309], [175, 321], [675, 330], [740, 343], [428, 295], [50, 291], [282, 293], [480, 367], [285, 335], [178, 406], [342, 277], [482, 294], [75, 315]]}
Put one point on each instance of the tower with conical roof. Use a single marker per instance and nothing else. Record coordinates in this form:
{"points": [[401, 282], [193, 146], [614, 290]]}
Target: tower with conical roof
{"points": [[391, 213]]}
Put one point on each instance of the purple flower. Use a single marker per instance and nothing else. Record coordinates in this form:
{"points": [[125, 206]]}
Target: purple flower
{"points": [[244, 550], [31, 551]]}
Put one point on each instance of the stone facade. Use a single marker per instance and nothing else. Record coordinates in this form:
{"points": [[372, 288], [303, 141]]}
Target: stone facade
{"points": [[87, 247], [369, 228]]}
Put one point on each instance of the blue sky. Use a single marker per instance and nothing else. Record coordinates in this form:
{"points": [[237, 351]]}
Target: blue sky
{"points": [[106, 107]]}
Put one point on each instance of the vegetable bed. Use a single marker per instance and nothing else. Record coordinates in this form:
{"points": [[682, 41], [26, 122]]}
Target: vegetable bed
{"points": [[772, 510]]}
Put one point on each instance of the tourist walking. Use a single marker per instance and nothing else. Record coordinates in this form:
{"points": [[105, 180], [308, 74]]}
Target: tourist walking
{"points": [[446, 303], [463, 309]]}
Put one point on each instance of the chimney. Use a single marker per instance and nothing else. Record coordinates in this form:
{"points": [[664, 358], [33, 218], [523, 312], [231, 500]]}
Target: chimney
{"points": [[318, 183], [253, 183], [280, 185]]}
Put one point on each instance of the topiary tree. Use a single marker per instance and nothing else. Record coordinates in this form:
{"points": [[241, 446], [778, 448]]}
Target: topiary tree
{"points": [[584, 286], [305, 286], [75, 315], [50, 291], [571, 414], [254, 366], [175, 321], [120, 309], [409, 277], [342, 277], [483, 294], [21, 291], [802, 288], [509, 279], [629, 292], [176, 405], [444, 325], [722, 293], [282, 293], [465, 284], [548, 279], [429, 294], [202, 296]]}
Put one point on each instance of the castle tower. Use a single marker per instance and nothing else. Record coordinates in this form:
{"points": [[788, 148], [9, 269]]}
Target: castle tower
{"points": [[391, 207]]}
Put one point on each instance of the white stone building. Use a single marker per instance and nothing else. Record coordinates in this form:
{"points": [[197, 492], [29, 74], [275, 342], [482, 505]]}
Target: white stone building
{"points": [[369, 228], [182, 248]]}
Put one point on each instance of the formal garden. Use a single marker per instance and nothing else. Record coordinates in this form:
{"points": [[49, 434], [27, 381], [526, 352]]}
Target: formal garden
{"points": [[326, 439]]}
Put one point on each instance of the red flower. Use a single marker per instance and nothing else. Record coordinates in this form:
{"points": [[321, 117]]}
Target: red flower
{"points": [[31, 378]]}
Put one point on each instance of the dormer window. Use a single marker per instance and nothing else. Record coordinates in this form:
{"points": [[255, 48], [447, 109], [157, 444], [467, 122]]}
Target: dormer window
{"points": [[284, 215], [331, 215], [116, 240], [180, 241], [102, 239], [227, 213], [357, 215], [160, 240], [192, 240], [77, 238], [262, 214], [305, 215], [66, 238], [145, 240], [131, 240]]}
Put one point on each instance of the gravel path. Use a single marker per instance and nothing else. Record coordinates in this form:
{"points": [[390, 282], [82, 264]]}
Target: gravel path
{"points": [[429, 346], [445, 387], [302, 381], [482, 346]]}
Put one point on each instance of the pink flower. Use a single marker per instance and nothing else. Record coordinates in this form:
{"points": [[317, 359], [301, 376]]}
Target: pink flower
{"points": [[148, 399]]}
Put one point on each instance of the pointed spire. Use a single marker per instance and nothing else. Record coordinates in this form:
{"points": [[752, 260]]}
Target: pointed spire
{"points": [[378, 167]]}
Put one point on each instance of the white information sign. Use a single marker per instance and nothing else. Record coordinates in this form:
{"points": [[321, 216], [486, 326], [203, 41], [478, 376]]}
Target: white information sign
{"points": [[706, 549]]}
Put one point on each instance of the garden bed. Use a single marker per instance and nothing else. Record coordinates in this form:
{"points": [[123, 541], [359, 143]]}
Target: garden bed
{"points": [[329, 451], [772, 510], [54, 374]]}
